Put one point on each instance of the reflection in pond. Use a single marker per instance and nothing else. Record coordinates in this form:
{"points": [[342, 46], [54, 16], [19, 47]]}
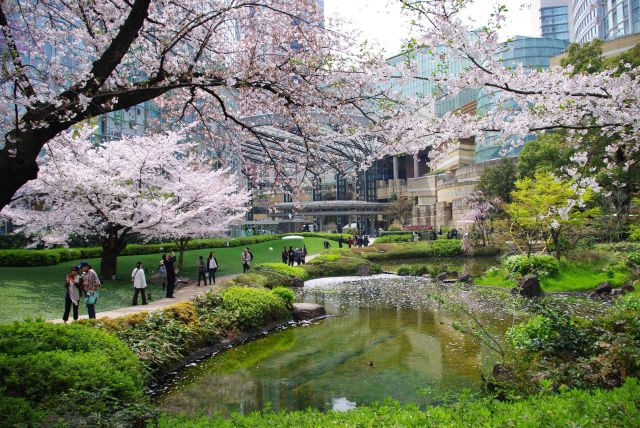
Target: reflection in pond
{"points": [[385, 339]]}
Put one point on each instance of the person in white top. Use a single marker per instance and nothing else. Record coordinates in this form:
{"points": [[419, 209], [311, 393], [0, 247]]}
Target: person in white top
{"points": [[212, 267], [139, 284]]}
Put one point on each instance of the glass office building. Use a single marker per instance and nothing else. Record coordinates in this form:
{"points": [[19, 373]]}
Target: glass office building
{"points": [[622, 18], [554, 19], [532, 53]]}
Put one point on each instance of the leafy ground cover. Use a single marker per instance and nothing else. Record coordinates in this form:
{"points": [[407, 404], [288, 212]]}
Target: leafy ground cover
{"points": [[381, 252], [572, 275], [615, 408], [39, 291]]}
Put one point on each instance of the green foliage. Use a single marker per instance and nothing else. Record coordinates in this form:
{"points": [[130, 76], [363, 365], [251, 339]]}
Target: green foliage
{"points": [[542, 266], [394, 228], [585, 58], [486, 251], [532, 334], [282, 269], [250, 280], [413, 250], [338, 262], [547, 153], [255, 307], [499, 181], [19, 412], [634, 257], [285, 294], [634, 233], [618, 408], [394, 233], [417, 270], [41, 361], [394, 238]]}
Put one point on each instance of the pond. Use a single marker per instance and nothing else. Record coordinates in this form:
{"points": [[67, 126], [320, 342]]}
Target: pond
{"points": [[384, 338]]}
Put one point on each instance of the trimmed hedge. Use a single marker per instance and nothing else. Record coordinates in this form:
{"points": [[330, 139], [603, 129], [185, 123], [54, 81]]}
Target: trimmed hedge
{"points": [[394, 238], [412, 250], [54, 256], [338, 263], [395, 233], [282, 269], [255, 307]]}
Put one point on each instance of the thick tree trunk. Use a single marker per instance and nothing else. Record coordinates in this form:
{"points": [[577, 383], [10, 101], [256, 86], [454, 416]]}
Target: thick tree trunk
{"points": [[112, 246], [182, 247], [14, 173]]}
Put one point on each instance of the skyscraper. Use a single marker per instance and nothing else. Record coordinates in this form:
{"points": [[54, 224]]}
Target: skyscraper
{"points": [[622, 17], [554, 19]]}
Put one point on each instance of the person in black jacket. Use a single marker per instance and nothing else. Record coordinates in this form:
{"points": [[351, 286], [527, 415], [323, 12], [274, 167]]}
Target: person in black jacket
{"points": [[168, 261]]}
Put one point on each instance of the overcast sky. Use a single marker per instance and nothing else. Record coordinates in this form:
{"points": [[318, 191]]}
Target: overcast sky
{"points": [[381, 20]]}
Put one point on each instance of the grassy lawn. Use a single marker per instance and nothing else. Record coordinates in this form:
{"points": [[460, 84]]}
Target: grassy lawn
{"points": [[39, 291], [573, 276]]}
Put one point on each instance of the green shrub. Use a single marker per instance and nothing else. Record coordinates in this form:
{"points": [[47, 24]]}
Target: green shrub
{"points": [[634, 257], [339, 262], [255, 307], [532, 334], [385, 233], [613, 408], [394, 238], [542, 266], [29, 258], [15, 412], [634, 233], [250, 280], [285, 294], [486, 251], [40, 360], [413, 250], [282, 269], [415, 270]]}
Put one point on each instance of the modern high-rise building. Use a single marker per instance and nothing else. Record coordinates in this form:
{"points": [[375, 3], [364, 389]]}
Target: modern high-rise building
{"points": [[602, 19], [554, 19]]}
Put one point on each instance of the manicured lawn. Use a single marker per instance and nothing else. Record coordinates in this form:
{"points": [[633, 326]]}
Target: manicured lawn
{"points": [[39, 291], [573, 276]]}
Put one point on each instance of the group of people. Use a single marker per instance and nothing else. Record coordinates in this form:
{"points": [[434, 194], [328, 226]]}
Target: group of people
{"points": [[209, 267], [294, 256], [81, 282], [358, 241]]}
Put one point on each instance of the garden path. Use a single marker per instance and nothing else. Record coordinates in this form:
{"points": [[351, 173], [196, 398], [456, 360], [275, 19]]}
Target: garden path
{"points": [[183, 293]]}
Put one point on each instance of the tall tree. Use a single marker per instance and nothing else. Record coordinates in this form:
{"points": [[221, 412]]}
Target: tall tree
{"points": [[140, 187], [239, 67], [499, 180]]}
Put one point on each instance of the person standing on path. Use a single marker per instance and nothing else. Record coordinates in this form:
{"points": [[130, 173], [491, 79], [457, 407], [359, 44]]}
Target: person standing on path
{"points": [[285, 255], [292, 256], [169, 266], [305, 253], [72, 296], [246, 260], [202, 270], [91, 285], [139, 284], [212, 265]]}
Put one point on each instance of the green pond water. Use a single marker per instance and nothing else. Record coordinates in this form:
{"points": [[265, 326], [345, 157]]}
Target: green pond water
{"points": [[384, 339]]}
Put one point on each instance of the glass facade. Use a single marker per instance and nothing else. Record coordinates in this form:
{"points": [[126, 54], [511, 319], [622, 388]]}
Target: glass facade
{"points": [[532, 53], [588, 20], [622, 18], [554, 22]]}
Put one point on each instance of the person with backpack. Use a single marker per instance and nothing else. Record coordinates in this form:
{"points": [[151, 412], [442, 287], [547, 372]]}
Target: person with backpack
{"points": [[139, 284], [202, 271], [212, 265]]}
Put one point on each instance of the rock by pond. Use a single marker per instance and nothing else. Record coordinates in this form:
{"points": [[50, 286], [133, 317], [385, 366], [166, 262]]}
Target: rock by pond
{"points": [[307, 311], [528, 287]]}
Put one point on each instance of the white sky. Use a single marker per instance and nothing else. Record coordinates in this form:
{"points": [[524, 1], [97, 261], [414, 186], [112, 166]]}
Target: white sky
{"points": [[381, 20]]}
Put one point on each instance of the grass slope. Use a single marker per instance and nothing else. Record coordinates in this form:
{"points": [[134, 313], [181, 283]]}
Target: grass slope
{"points": [[573, 276], [39, 291]]}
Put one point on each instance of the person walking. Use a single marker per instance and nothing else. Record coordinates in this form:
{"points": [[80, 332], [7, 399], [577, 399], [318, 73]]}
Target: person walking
{"points": [[72, 296], [212, 265], [202, 270], [169, 265], [304, 254], [285, 255], [90, 285], [340, 241], [139, 284], [246, 260]]}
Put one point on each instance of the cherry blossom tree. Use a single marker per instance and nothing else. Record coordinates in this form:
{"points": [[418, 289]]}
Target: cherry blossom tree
{"points": [[243, 69], [526, 100], [138, 187]]}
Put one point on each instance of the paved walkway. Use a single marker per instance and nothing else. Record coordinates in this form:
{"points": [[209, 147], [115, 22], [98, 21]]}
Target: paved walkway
{"points": [[183, 293]]}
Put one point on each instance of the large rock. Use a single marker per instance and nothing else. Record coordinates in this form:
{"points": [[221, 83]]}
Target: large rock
{"points": [[604, 289], [297, 283], [307, 311], [627, 288], [528, 287], [364, 270]]}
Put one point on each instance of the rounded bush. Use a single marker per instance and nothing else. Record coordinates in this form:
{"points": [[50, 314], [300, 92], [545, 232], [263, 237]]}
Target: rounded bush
{"points": [[394, 238], [40, 360], [542, 266], [282, 269], [285, 294], [255, 306]]}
